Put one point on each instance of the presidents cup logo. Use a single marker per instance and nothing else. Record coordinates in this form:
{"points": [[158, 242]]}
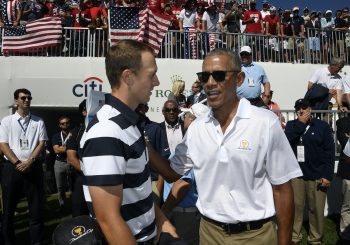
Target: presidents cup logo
{"points": [[78, 232], [90, 83], [244, 145]]}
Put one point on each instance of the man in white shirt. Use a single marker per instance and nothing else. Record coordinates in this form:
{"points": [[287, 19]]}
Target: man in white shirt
{"points": [[329, 78], [22, 140], [241, 159]]}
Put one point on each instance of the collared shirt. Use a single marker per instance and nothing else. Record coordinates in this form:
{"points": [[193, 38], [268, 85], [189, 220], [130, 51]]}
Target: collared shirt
{"points": [[174, 135], [234, 170], [323, 77], [255, 76], [114, 153], [14, 129]]}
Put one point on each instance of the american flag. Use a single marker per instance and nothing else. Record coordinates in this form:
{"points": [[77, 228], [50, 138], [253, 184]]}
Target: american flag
{"points": [[40, 33], [138, 24]]}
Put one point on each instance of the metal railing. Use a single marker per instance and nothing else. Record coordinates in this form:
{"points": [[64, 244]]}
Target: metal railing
{"points": [[319, 47]]}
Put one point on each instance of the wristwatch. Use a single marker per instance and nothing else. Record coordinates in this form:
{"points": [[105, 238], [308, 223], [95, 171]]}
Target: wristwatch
{"points": [[33, 159]]}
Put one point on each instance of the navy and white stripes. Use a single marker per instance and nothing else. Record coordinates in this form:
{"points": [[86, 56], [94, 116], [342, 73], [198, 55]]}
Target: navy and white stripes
{"points": [[114, 153]]}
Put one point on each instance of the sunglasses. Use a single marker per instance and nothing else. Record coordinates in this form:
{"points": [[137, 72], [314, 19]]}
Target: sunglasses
{"points": [[26, 97], [171, 110], [63, 123], [218, 76]]}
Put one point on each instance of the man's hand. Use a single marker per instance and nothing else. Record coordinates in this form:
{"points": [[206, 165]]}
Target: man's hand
{"points": [[333, 92], [304, 116], [325, 183], [24, 165], [163, 224]]}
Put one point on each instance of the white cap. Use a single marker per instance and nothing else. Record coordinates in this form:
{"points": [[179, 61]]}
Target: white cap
{"points": [[272, 8], [197, 110], [296, 8], [329, 11], [246, 49]]}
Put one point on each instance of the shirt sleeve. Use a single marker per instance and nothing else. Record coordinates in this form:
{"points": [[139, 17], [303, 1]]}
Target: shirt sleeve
{"points": [[4, 130], [281, 163], [347, 148], [315, 77], [43, 134], [181, 161], [264, 76]]}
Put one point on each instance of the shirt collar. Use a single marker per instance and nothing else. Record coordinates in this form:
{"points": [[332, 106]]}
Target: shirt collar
{"points": [[18, 116], [176, 126], [249, 65], [126, 111], [244, 110]]}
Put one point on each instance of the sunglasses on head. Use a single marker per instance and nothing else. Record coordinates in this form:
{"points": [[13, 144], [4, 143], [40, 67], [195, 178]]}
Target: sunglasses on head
{"points": [[218, 76], [171, 110], [26, 97]]}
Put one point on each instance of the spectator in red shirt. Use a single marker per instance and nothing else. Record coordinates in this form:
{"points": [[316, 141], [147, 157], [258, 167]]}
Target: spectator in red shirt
{"points": [[82, 18], [157, 6], [273, 31], [254, 25]]}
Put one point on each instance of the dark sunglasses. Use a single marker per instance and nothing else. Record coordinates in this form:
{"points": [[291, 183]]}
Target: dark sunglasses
{"points": [[26, 97], [218, 76], [63, 123], [171, 110]]}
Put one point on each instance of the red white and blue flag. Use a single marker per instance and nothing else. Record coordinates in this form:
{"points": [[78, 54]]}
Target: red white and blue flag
{"points": [[137, 24], [37, 34]]}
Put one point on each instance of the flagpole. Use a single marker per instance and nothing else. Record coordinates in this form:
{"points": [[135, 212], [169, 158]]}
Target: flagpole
{"points": [[109, 27]]}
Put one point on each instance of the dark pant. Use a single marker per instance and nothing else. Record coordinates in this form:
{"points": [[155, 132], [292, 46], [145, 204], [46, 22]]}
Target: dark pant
{"points": [[79, 206], [31, 182]]}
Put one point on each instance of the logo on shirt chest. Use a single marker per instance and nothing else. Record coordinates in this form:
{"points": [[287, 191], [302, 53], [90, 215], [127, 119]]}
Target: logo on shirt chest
{"points": [[244, 145]]}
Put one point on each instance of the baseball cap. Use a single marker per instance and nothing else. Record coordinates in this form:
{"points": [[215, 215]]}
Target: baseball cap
{"points": [[80, 230], [300, 103], [246, 49], [296, 8], [272, 8], [197, 110], [329, 11]]}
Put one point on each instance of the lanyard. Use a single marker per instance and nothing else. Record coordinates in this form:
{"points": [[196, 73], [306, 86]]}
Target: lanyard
{"points": [[64, 141], [23, 126], [301, 137]]}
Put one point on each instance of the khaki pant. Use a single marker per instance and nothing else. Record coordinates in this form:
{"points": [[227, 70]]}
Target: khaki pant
{"points": [[307, 190], [211, 234], [345, 211]]}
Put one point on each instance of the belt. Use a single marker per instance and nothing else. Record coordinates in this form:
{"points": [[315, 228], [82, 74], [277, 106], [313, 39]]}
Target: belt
{"points": [[239, 227], [185, 210]]}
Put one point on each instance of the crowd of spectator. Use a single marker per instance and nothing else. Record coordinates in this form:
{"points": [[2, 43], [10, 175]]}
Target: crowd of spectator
{"points": [[282, 35]]}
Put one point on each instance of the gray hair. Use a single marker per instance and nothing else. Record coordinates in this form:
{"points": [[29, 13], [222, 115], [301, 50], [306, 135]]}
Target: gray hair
{"points": [[234, 57], [337, 61]]}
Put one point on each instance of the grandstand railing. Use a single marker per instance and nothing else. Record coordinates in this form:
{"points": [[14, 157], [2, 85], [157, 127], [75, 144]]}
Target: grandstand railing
{"points": [[318, 48]]}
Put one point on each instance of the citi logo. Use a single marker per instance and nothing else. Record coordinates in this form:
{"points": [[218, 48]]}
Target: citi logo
{"points": [[90, 83]]}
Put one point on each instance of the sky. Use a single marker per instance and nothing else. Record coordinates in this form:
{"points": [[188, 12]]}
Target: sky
{"points": [[317, 5]]}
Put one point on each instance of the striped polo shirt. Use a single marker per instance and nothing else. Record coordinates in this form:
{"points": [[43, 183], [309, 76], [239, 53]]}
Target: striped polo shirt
{"points": [[114, 153]]}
